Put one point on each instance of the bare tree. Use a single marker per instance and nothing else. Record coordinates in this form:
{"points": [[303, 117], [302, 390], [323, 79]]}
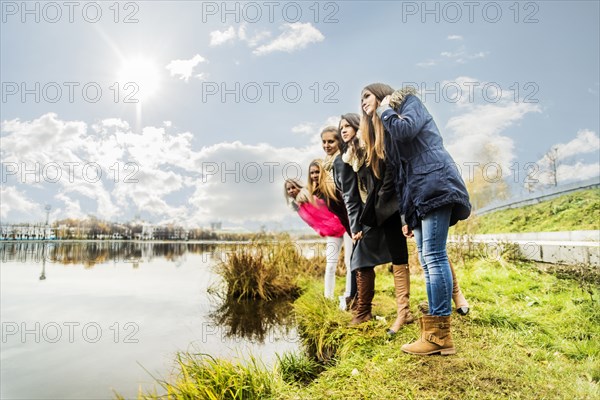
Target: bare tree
{"points": [[553, 161]]}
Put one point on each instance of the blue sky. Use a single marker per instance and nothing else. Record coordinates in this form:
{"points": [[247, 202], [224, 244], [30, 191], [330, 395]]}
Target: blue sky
{"points": [[538, 63]]}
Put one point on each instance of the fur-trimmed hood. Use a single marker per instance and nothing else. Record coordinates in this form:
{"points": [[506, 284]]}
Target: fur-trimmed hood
{"points": [[398, 97]]}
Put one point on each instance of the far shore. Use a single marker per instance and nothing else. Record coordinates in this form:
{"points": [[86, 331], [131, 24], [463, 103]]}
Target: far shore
{"points": [[315, 240]]}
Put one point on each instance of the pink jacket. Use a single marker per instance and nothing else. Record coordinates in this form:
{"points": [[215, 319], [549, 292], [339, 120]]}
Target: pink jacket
{"points": [[323, 221]]}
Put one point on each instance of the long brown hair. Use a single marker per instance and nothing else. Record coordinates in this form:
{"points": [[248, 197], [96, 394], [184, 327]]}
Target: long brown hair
{"points": [[353, 120], [324, 186], [372, 128]]}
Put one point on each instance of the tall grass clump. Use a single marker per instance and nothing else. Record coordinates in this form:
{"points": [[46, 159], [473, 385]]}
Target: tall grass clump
{"points": [[262, 271], [298, 368], [201, 376], [325, 331]]}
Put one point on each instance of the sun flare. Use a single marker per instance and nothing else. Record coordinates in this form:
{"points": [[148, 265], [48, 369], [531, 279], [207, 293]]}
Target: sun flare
{"points": [[143, 74]]}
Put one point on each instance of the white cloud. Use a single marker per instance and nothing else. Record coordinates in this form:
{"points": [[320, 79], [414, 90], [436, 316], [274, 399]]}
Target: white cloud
{"points": [[587, 141], [158, 173], [458, 56], [295, 36], [477, 130], [578, 171], [72, 208], [95, 191], [254, 40], [455, 37], [122, 157], [44, 140], [312, 130], [14, 201], [461, 55], [425, 64], [305, 128], [238, 185], [218, 38], [184, 68], [567, 172]]}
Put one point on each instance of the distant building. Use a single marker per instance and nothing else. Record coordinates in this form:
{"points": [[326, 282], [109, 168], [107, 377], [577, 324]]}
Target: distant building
{"points": [[27, 232]]}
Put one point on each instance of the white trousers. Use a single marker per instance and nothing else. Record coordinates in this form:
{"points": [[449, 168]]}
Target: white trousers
{"points": [[332, 254]]}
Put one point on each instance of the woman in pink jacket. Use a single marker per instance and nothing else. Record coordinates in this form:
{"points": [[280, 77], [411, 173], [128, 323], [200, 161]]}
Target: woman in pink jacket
{"points": [[315, 213]]}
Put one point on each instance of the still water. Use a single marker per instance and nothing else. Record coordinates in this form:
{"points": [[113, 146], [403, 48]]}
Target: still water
{"points": [[82, 320]]}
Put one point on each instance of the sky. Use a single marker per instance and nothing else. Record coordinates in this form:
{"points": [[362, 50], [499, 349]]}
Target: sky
{"points": [[192, 112]]}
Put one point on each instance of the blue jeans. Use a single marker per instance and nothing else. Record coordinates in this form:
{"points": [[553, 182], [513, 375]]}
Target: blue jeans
{"points": [[431, 239]]}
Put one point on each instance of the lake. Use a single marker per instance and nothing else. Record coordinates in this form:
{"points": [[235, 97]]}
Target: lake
{"points": [[83, 319]]}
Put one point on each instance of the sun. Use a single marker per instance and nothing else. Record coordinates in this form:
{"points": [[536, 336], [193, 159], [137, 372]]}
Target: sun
{"points": [[141, 72]]}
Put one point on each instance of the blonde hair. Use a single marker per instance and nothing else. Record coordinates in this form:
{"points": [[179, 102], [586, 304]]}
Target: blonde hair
{"points": [[303, 196], [324, 186], [372, 129]]}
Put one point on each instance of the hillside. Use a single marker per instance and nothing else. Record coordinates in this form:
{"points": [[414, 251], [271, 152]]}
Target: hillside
{"points": [[571, 212]]}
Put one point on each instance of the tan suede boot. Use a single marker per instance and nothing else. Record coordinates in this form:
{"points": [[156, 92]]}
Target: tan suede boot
{"points": [[402, 286], [365, 282], [460, 303], [435, 337]]}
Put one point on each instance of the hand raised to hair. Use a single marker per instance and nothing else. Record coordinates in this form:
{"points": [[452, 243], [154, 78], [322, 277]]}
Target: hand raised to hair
{"points": [[385, 101]]}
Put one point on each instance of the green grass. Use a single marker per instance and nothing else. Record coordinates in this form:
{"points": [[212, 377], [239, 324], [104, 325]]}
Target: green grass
{"points": [[530, 335], [201, 376], [574, 211]]}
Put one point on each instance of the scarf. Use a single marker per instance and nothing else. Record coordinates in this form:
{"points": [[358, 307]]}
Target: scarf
{"points": [[328, 162], [351, 158]]}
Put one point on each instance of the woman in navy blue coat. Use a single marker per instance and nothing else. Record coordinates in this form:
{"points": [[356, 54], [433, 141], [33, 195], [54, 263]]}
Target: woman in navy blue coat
{"points": [[433, 198]]}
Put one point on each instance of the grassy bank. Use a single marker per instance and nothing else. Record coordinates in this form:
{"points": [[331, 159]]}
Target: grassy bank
{"points": [[575, 211], [530, 335]]}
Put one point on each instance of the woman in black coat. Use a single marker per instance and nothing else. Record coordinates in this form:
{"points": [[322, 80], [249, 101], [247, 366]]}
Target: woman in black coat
{"points": [[351, 177]]}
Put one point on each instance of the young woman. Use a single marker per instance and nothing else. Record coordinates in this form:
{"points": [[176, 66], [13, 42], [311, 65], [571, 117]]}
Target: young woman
{"points": [[386, 215], [434, 197], [315, 213], [352, 178], [331, 140]]}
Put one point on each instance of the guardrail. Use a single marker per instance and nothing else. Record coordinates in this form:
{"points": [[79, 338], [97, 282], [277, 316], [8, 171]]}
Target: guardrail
{"points": [[566, 248]]}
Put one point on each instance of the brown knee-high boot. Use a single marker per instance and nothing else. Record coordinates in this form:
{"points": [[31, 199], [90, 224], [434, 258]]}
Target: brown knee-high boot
{"points": [[365, 282], [461, 304], [402, 287]]}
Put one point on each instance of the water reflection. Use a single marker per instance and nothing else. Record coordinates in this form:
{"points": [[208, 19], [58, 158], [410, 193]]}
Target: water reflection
{"points": [[254, 320], [52, 292], [91, 253]]}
